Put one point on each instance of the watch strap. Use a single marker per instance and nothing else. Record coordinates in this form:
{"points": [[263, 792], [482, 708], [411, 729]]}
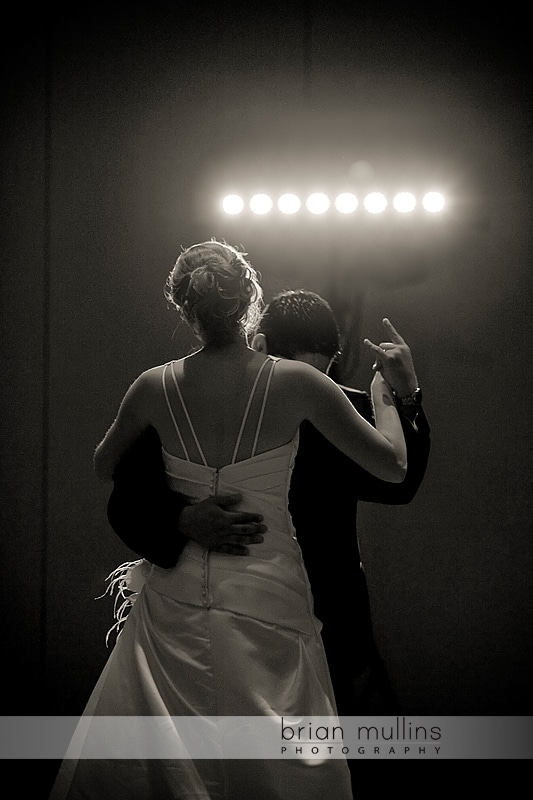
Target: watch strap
{"points": [[413, 399]]}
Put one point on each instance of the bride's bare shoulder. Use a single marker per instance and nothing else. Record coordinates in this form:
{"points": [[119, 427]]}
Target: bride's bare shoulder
{"points": [[148, 381], [154, 374]]}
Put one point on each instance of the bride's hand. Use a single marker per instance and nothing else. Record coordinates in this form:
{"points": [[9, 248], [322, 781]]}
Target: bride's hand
{"points": [[394, 360]]}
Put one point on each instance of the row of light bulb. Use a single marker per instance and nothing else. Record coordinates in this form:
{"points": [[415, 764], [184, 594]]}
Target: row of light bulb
{"points": [[345, 203]]}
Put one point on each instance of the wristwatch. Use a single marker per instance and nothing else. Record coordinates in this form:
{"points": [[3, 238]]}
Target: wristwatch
{"points": [[414, 399]]}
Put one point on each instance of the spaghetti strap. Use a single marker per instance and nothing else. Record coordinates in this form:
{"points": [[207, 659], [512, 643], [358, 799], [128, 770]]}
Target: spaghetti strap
{"points": [[248, 405], [269, 360], [263, 404], [180, 437], [184, 407]]}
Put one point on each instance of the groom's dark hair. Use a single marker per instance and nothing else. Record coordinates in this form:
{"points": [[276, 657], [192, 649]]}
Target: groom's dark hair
{"points": [[299, 321]]}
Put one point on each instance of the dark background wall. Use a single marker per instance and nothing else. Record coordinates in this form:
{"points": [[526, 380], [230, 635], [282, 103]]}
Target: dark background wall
{"points": [[121, 130]]}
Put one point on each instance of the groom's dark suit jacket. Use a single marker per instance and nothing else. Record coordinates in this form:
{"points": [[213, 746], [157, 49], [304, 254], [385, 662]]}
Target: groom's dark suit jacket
{"points": [[326, 487]]}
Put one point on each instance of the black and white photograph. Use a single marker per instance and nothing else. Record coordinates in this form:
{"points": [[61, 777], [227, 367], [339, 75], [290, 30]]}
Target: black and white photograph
{"points": [[265, 418]]}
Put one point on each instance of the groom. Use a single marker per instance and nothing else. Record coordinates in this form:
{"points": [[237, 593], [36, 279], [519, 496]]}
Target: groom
{"points": [[326, 487]]}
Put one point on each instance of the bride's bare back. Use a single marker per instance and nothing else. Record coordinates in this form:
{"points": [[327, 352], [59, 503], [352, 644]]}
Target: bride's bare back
{"points": [[218, 294]]}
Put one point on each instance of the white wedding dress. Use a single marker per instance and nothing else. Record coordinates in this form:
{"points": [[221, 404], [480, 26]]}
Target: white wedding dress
{"points": [[216, 636]]}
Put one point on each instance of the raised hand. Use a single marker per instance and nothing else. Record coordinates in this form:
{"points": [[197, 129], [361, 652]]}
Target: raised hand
{"points": [[394, 360]]}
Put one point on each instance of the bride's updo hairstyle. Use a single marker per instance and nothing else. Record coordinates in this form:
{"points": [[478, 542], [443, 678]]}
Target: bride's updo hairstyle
{"points": [[216, 290]]}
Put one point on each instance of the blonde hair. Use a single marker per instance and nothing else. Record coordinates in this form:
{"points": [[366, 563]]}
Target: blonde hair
{"points": [[216, 290]]}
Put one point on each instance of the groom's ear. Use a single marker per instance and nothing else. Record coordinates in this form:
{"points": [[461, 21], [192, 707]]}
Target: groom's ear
{"points": [[259, 343]]}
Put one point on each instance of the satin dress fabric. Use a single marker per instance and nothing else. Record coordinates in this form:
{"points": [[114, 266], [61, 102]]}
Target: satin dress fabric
{"points": [[217, 635]]}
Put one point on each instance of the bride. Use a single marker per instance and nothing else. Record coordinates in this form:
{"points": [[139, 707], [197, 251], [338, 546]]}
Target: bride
{"points": [[220, 635]]}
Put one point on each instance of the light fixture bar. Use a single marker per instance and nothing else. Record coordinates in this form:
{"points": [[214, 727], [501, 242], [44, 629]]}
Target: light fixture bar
{"points": [[344, 203]]}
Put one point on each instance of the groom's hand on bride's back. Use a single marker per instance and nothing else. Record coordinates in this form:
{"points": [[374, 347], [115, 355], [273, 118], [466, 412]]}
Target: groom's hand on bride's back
{"points": [[215, 525]]}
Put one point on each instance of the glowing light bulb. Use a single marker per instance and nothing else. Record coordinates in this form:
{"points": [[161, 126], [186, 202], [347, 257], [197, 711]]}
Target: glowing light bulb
{"points": [[318, 203], [375, 202], [289, 203], [346, 203], [433, 202], [233, 204], [261, 204], [404, 202]]}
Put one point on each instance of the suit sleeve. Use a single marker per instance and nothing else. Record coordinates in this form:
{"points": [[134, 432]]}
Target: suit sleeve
{"points": [[141, 509], [418, 442]]}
